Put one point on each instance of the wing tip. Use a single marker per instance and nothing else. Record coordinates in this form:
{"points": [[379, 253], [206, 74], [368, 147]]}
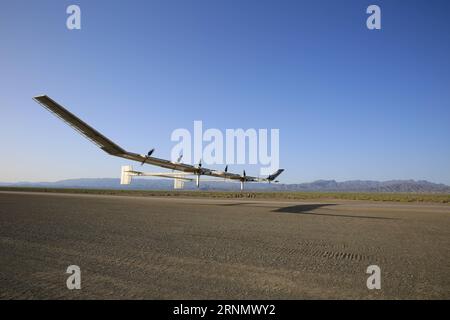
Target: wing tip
{"points": [[40, 96]]}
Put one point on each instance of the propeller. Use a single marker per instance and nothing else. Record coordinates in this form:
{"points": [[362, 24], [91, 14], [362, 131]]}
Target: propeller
{"points": [[148, 156], [199, 168], [243, 179], [199, 172], [178, 160]]}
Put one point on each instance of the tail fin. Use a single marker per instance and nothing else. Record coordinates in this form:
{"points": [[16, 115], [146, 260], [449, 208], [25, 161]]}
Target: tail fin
{"points": [[178, 183], [125, 176], [274, 175]]}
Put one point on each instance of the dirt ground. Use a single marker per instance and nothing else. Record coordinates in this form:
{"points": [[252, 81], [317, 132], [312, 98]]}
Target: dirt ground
{"points": [[171, 248]]}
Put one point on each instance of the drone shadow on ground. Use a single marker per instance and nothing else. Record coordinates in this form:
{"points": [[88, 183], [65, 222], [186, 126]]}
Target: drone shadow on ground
{"points": [[307, 209]]}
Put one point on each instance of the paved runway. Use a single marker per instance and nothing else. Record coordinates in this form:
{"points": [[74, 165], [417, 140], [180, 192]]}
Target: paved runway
{"points": [[170, 248]]}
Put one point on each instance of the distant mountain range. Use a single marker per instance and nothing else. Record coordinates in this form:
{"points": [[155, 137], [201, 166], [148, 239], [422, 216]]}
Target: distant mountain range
{"points": [[318, 186]]}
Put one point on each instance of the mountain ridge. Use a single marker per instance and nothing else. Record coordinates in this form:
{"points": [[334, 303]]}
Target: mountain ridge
{"points": [[409, 186]]}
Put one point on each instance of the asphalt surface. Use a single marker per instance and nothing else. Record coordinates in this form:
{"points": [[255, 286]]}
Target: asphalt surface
{"points": [[170, 248]]}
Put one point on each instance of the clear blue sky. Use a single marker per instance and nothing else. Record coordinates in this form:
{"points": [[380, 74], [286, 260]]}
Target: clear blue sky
{"points": [[350, 103]]}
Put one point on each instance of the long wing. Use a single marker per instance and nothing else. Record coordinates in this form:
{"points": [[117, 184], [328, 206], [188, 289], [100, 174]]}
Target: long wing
{"points": [[107, 145], [232, 176], [113, 149]]}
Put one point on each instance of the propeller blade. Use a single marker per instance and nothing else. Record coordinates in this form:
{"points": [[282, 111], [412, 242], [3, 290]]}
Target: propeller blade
{"points": [[148, 156]]}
